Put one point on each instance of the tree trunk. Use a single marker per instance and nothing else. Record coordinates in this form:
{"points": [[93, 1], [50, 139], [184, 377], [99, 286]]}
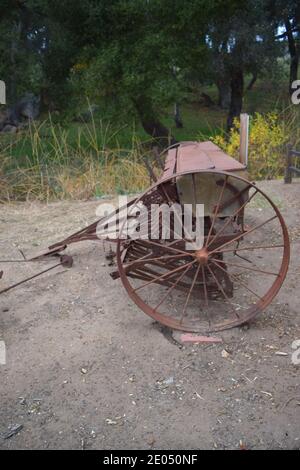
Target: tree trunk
{"points": [[237, 93], [294, 54], [17, 27], [177, 117], [151, 124], [252, 81], [224, 93]]}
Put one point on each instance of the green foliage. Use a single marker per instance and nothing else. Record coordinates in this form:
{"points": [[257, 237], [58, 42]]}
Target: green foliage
{"points": [[135, 59]]}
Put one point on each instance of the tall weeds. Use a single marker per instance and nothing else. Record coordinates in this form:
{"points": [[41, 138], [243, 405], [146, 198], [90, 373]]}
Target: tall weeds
{"points": [[48, 162]]}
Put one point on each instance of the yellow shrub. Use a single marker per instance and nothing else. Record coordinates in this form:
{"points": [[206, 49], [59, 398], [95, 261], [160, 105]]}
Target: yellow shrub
{"points": [[268, 136]]}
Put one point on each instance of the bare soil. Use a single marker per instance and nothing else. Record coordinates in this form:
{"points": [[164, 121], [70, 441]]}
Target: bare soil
{"points": [[86, 369]]}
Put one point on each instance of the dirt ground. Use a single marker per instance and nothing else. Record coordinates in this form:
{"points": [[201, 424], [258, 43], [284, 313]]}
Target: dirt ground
{"points": [[86, 369]]}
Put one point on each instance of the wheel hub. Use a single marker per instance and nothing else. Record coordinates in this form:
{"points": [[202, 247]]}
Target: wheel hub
{"points": [[202, 256]]}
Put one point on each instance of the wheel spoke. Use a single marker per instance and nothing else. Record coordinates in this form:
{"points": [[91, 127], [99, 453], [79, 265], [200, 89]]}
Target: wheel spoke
{"points": [[171, 288], [204, 285], [167, 247], [189, 294], [177, 217], [165, 275], [247, 248], [157, 226], [194, 191], [235, 197], [216, 211], [246, 267], [243, 234], [236, 279], [146, 260], [185, 292], [222, 290], [232, 217]]}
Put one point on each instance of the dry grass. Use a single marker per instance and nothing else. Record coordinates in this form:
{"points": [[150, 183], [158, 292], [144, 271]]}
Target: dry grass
{"points": [[53, 166]]}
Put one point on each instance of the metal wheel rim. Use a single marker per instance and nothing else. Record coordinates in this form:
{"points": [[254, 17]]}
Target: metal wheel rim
{"points": [[253, 311]]}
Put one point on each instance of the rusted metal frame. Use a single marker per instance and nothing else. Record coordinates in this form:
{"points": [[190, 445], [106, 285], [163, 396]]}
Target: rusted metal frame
{"points": [[171, 273], [235, 197], [149, 272], [40, 257], [114, 229], [151, 173], [152, 263], [141, 260], [137, 253], [150, 260], [141, 275], [165, 275], [159, 226], [65, 261], [91, 229], [166, 247]]}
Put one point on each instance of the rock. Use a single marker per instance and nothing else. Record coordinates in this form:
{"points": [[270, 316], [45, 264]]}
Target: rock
{"points": [[9, 129], [225, 354], [110, 421], [29, 106]]}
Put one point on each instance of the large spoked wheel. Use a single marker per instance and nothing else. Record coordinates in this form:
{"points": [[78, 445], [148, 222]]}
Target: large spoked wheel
{"points": [[230, 279]]}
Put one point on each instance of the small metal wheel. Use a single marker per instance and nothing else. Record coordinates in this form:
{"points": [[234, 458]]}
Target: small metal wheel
{"points": [[230, 279]]}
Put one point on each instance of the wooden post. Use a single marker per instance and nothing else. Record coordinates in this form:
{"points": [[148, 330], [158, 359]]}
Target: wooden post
{"points": [[288, 173], [244, 138]]}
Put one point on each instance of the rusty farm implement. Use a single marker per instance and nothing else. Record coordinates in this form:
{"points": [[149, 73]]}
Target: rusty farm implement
{"points": [[230, 278]]}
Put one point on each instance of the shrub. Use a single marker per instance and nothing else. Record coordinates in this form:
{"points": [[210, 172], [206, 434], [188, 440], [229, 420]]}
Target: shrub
{"points": [[268, 136]]}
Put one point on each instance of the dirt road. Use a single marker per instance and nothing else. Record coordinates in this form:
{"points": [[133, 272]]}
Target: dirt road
{"points": [[86, 369]]}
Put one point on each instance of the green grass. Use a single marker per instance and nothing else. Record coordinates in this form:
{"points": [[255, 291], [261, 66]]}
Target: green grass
{"points": [[197, 121]]}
